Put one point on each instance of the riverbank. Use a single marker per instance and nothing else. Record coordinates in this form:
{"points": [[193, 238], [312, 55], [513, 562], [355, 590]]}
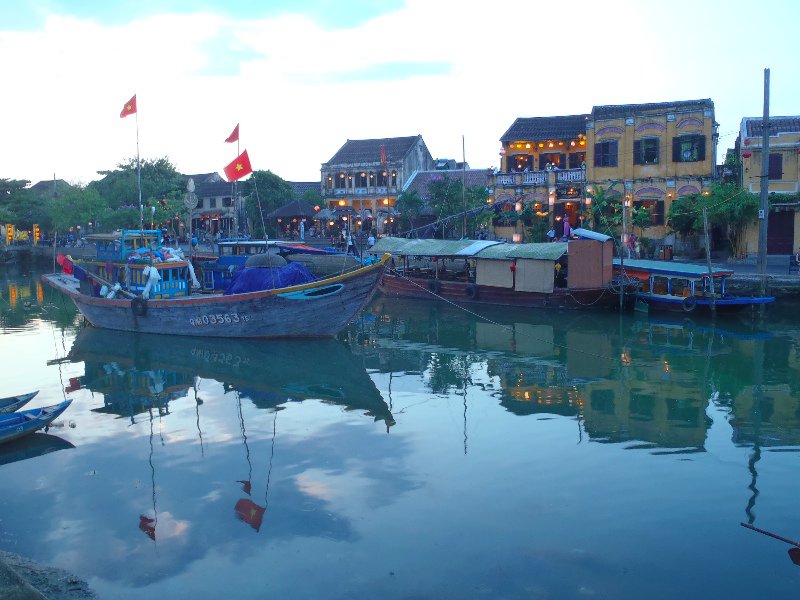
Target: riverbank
{"points": [[23, 579]]}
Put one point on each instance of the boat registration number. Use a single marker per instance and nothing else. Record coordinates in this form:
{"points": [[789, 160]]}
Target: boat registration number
{"points": [[218, 319]]}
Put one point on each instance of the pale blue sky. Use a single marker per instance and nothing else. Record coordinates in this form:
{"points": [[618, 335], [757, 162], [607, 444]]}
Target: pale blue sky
{"points": [[302, 78]]}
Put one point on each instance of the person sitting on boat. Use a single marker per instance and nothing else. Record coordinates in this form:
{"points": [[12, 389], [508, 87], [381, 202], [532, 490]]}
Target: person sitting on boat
{"points": [[551, 235]]}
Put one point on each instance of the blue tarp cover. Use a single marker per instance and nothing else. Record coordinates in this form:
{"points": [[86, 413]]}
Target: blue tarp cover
{"points": [[256, 279]]}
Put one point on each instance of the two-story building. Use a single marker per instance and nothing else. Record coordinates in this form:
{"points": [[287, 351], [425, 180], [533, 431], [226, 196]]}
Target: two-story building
{"points": [[368, 175], [219, 206], [656, 152], [783, 179], [652, 153]]}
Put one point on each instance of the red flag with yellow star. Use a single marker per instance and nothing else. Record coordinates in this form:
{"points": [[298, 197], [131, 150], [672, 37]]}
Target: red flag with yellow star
{"points": [[129, 108], [239, 167]]}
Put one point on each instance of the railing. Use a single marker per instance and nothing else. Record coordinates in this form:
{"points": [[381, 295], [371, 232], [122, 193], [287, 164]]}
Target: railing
{"points": [[535, 178], [361, 191], [570, 175], [505, 180]]}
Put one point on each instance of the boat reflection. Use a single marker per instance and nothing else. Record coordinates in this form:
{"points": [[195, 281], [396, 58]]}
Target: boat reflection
{"points": [[136, 372], [32, 446]]}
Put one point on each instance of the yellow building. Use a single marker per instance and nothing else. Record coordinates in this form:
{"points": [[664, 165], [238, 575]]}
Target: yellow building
{"points": [[783, 178], [653, 152], [656, 152]]}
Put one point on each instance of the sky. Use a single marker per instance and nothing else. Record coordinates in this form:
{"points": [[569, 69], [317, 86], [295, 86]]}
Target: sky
{"points": [[301, 78]]}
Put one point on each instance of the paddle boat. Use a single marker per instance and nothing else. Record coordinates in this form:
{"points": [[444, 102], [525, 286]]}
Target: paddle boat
{"points": [[14, 403], [19, 424], [686, 287]]}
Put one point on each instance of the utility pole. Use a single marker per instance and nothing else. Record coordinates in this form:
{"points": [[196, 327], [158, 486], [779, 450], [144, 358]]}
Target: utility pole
{"points": [[708, 263], [464, 186], [763, 213]]}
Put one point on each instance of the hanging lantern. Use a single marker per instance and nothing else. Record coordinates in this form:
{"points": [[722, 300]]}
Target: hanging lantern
{"points": [[747, 154]]}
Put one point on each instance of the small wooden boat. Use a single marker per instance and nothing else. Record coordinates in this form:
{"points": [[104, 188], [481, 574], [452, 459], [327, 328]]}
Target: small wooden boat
{"points": [[668, 285], [19, 424], [577, 274], [14, 403]]}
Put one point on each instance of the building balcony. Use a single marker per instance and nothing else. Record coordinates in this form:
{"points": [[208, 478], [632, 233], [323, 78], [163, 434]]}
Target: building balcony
{"points": [[360, 191], [539, 178]]}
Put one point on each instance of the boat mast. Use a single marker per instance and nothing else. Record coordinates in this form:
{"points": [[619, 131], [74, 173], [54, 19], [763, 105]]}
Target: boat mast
{"points": [[464, 185]]}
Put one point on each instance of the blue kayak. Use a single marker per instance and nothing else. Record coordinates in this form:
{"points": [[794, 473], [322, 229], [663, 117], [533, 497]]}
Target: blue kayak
{"points": [[19, 424], [14, 403]]}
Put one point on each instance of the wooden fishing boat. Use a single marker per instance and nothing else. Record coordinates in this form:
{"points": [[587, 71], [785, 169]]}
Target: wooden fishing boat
{"points": [[19, 424], [14, 403], [667, 285], [317, 309], [574, 274]]}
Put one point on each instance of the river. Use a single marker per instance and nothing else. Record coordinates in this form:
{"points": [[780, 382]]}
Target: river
{"points": [[426, 453]]}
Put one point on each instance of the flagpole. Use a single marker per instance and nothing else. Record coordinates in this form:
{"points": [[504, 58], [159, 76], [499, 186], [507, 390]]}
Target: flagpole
{"points": [[139, 173]]}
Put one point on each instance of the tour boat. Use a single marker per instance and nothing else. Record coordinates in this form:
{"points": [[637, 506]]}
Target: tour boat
{"points": [[684, 287], [574, 274]]}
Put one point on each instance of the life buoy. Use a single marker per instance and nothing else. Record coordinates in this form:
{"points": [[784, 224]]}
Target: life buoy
{"points": [[139, 307], [434, 285], [689, 303], [471, 291]]}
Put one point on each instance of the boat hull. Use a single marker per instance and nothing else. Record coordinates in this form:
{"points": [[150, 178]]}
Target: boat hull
{"points": [[703, 305], [397, 286], [14, 403], [319, 309], [18, 425]]}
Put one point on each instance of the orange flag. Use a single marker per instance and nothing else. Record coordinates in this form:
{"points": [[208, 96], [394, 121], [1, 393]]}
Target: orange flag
{"points": [[233, 137], [239, 167], [129, 108]]}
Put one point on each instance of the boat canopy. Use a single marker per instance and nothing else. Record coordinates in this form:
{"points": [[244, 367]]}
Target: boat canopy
{"points": [[483, 249], [590, 235], [671, 268]]}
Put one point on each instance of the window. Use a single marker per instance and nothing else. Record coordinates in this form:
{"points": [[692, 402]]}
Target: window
{"points": [[775, 166], [212, 203], [605, 154], [655, 209], [577, 159], [361, 180], [521, 162], [227, 202], [556, 159], [645, 151], [689, 148], [341, 182]]}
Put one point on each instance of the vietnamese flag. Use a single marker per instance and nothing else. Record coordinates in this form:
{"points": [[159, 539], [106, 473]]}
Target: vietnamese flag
{"points": [[246, 485], [250, 512], [239, 167], [148, 526], [233, 137], [129, 108]]}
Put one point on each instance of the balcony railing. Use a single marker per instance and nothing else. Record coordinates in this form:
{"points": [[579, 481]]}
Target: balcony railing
{"points": [[571, 176], [535, 178]]}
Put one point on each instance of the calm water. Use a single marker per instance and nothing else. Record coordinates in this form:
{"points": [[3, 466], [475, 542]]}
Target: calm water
{"points": [[425, 454]]}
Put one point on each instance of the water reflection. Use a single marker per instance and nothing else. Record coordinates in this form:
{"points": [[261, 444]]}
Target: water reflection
{"points": [[648, 381], [24, 299], [32, 446], [138, 372]]}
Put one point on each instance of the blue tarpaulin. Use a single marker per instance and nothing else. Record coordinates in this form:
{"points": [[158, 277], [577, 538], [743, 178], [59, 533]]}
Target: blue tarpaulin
{"points": [[256, 279]]}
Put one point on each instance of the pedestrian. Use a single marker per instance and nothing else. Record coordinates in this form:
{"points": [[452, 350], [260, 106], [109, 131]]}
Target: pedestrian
{"points": [[567, 228], [370, 240]]}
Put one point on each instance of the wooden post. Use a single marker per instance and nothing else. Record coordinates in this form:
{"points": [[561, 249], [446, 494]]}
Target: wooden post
{"points": [[708, 263]]}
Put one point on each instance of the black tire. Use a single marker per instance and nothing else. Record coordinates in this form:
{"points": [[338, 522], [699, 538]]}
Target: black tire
{"points": [[471, 291], [434, 285], [689, 303], [139, 307]]}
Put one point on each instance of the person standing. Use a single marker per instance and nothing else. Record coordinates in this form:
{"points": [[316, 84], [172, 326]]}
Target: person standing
{"points": [[371, 240], [567, 228]]}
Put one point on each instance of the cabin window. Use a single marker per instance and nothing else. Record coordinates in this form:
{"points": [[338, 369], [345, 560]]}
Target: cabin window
{"points": [[688, 148], [680, 287], [775, 167], [645, 151], [226, 250], [659, 285], [605, 154]]}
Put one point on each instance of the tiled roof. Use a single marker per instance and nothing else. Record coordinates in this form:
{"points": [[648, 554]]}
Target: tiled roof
{"points": [[776, 125], [295, 208], [420, 181], [210, 185], [46, 186], [365, 151], [301, 187], [613, 111], [546, 128]]}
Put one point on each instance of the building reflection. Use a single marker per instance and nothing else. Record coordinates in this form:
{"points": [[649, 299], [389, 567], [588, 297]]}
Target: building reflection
{"points": [[647, 381]]}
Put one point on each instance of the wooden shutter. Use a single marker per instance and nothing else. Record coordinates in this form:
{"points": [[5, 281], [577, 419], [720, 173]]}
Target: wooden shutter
{"points": [[775, 166], [613, 153], [638, 159], [701, 147], [676, 149]]}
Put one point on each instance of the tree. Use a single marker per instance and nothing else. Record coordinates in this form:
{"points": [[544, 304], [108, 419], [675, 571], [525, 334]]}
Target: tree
{"points": [[447, 197], [268, 190], [606, 208], [75, 207], [409, 205], [120, 187], [728, 206]]}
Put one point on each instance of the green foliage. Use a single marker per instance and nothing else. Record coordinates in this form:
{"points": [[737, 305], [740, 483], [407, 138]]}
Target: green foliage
{"points": [[312, 196], [75, 206], [606, 208], [540, 225], [729, 208], [447, 197], [272, 192], [120, 187], [408, 205]]}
